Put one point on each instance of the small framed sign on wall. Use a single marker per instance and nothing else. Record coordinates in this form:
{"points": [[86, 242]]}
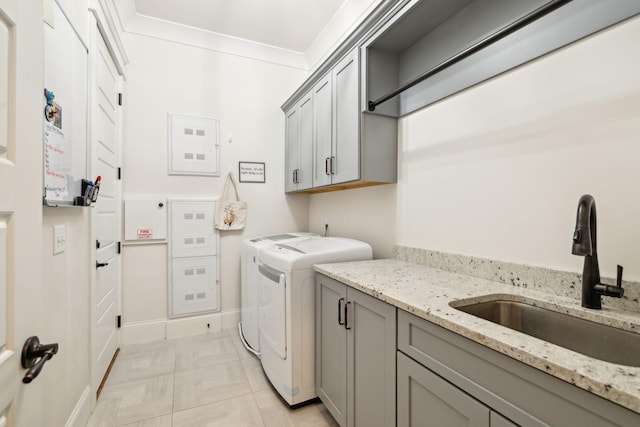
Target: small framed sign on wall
{"points": [[251, 172]]}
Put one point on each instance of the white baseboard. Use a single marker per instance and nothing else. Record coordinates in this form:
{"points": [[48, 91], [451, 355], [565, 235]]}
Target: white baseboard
{"points": [[156, 330], [82, 411], [230, 319], [136, 333], [194, 325]]}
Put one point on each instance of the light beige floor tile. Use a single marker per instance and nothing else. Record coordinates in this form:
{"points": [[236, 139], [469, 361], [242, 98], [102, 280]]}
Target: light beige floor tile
{"points": [[227, 393], [139, 365], [135, 401], [209, 385], [276, 413], [256, 376], [205, 352], [163, 421], [239, 411]]}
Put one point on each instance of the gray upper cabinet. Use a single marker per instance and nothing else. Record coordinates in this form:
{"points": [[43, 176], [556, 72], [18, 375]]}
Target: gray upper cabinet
{"points": [[349, 148], [355, 355], [409, 54], [299, 145]]}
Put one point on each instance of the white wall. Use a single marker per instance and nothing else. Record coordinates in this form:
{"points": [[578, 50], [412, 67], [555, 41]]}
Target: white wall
{"points": [[367, 214], [245, 96], [65, 281], [497, 170]]}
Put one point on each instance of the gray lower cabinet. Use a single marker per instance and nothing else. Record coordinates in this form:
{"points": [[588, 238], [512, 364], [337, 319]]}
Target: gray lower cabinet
{"points": [[355, 355], [457, 371], [425, 399]]}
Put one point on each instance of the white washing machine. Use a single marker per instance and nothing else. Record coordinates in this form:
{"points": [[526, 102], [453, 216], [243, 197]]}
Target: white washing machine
{"points": [[287, 309], [249, 276]]}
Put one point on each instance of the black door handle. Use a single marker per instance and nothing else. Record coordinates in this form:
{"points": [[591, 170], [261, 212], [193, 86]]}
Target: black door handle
{"points": [[340, 321], [101, 264], [34, 356]]}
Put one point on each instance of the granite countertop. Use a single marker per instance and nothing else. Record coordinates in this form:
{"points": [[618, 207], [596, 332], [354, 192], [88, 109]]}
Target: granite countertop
{"points": [[427, 293]]}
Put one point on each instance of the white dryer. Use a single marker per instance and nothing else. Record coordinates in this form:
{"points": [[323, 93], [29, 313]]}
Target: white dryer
{"points": [[287, 309], [249, 276]]}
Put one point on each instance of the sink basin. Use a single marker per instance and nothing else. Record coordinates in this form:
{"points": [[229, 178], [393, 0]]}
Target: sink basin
{"points": [[592, 339]]}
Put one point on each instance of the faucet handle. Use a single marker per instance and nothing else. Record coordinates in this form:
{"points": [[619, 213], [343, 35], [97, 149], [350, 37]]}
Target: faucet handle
{"points": [[619, 277]]}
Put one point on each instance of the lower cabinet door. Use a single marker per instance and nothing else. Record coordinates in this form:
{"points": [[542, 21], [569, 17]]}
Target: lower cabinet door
{"points": [[331, 347], [425, 399], [371, 361]]}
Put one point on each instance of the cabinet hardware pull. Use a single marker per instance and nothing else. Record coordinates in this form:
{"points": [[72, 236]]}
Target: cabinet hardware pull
{"points": [[326, 165], [346, 315], [340, 321], [331, 169]]}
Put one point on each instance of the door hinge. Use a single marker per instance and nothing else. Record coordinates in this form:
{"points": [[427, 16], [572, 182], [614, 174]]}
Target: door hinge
{"points": [[119, 247], [119, 321], [120, 98], [119, 173]]}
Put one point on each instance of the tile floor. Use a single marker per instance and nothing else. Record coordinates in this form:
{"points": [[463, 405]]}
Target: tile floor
{"points": [[207, 380]]}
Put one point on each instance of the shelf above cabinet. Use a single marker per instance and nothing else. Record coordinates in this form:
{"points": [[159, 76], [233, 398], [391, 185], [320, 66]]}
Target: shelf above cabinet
{"points": [[432, 49]]}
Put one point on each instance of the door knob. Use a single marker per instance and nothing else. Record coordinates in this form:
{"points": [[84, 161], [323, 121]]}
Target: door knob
{"points": [[101, 264], [34, 356]]}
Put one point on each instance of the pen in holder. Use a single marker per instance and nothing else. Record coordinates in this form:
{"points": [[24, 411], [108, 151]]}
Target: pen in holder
{"points": [[95, 188]]}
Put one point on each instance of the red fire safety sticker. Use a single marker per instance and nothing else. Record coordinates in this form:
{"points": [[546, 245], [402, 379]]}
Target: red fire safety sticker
{"points": [[145, 233]]}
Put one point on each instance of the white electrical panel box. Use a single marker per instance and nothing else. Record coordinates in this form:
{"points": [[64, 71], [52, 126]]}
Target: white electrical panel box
{"points": [[145, 218], [193, 146], [193, 285], [192, 232], [193, 258]]}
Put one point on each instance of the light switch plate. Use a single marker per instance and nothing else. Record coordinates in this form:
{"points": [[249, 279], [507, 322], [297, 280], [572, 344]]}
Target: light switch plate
{"points": [[59, 238]]}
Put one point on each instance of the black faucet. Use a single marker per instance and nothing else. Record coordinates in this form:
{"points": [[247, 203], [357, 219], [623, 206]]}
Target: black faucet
{"points": [[584, 244]]}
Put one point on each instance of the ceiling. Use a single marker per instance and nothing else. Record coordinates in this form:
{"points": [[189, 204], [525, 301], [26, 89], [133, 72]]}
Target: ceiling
{"points": [[287, 24]]}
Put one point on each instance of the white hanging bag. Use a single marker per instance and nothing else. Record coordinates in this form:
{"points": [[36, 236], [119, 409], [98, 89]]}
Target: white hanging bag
{"points": [[231, 213]]}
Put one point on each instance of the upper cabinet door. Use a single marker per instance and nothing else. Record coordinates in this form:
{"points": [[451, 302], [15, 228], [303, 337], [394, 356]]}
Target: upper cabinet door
{"points": [[291, 150], [346, 119], [322, 96], [305, 143]]}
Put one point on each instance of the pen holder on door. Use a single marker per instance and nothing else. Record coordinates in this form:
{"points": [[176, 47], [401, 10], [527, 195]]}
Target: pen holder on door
{"points": [[83, 199]]}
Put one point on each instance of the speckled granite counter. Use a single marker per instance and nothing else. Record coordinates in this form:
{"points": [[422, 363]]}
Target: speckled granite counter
{"points": [[427, 293]]}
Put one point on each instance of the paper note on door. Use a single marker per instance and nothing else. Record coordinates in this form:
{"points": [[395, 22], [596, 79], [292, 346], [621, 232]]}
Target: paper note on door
{"points": [[145, 233]]}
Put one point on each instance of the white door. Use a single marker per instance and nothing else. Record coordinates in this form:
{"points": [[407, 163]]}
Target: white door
{"points": [[107, 209], [21, 308]]}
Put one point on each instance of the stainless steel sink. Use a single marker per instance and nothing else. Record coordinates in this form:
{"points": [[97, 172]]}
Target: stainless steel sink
{"points": [[592, 339]]}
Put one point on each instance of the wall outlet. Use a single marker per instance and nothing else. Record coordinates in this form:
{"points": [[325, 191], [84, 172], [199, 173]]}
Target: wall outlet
{"points": [[59, 238]]}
